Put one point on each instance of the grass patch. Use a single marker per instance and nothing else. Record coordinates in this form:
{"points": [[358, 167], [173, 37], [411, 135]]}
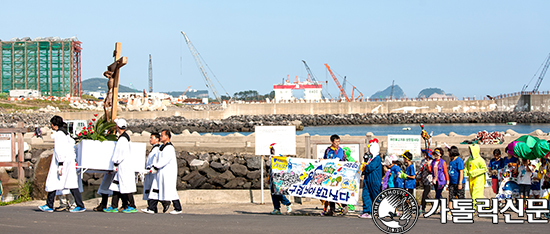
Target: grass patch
{"points": [[24, 193]]}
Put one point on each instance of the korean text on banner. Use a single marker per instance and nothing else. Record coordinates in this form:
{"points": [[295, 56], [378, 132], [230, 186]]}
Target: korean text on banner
{"points": [[328, 180]]}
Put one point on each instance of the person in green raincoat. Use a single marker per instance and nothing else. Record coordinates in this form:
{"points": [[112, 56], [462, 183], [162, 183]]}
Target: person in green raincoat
{"points": [[349, 158], [475, 168]]}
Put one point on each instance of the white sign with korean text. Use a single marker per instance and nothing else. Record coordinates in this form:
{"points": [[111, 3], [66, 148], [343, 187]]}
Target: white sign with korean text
{"points": [[397, 144], [5, 147], [284, 138]]}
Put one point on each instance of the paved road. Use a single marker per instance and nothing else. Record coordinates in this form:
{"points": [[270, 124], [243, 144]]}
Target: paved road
{"points": [[28, 219]]}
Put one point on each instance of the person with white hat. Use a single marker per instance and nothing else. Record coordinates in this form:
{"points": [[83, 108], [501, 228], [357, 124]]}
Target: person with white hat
{"points": [[124, 182]]}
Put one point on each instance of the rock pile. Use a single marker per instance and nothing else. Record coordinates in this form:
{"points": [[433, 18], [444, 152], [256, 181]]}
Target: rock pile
{"points": [[10, 120], [246, 123], [212, 171]]}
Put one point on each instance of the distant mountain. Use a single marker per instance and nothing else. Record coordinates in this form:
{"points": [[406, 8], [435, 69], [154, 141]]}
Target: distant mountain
{"points": [[429, 91], [100, 84], [386, 93]]}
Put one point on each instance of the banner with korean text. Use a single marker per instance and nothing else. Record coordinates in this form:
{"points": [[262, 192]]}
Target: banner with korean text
{"points": [[328, 180]]}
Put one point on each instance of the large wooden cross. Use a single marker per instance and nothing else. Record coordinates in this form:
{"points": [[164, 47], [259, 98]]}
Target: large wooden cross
{"points": [[112, 73]]}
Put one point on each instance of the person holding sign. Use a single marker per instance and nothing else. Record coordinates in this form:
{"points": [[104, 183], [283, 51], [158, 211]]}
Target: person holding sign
{"points": [[277, 199], [334, 152], [62, 173], [372, 177]]}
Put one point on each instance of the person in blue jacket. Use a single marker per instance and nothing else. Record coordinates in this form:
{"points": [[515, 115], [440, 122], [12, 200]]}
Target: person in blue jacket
{"points": [[410, 180], [396, 174], [372, 178], [334, 151]]}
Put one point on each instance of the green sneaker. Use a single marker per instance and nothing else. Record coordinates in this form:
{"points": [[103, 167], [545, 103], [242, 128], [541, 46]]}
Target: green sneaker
{"points": [[276, 212], [130, 210], [110, 210]]}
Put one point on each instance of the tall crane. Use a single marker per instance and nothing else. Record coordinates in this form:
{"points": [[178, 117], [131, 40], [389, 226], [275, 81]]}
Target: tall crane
{"points": [[201, 67], [150, 74], [542, 73], [344, 84], [313, 78], [544, 66], [338, 83]]}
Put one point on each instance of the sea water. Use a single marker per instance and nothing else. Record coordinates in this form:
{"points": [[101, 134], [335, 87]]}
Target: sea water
{"points": [[387, 129]]}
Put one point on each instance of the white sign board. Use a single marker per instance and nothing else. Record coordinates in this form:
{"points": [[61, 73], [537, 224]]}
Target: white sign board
{"points": [[96, 155], [353, 147], [397, 144], [284, 138], [5, 148]]}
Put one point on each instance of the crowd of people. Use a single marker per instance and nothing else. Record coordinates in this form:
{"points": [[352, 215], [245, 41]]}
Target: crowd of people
{"points": [[159, 183], [381, 172]]}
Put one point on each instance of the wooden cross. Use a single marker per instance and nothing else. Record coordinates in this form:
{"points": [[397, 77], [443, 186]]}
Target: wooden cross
{"points": [[112, 92]]}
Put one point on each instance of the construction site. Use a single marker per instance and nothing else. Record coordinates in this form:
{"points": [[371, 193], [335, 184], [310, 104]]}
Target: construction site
{"points": [[50, 65]]}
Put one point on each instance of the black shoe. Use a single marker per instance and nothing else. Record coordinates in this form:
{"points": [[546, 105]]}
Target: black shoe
{"points": [[62, 208], [165, 205], [99, 208]]}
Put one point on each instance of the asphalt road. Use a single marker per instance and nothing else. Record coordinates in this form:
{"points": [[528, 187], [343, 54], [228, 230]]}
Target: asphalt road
{"points": [[27, 219]]}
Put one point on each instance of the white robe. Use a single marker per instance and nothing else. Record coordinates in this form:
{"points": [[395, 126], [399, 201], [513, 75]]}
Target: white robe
{"points": [[124, 180], [165, 180], [148, 179], [63, 153]]}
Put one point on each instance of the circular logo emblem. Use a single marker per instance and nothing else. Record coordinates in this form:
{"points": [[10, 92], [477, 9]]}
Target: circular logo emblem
{"points": [[395, 210]]}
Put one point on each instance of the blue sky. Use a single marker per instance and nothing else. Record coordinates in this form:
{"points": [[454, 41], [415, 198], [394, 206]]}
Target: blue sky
{"points": [[468, 48]]}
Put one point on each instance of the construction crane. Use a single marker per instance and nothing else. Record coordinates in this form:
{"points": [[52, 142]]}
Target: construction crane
{"points": [[150, 74], [344, 83], [542, 73], [313, 78], [184, 92], [352, 90], [544, 66], [203, 70], [338, 83]]}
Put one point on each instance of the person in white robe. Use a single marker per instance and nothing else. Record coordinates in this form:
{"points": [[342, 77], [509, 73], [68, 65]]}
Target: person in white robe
{"points": [[154, 140], [124, 184], [62, 173], [166, 175]]}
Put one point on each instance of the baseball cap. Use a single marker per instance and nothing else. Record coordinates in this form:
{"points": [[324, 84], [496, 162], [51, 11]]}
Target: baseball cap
{"points": [[121, 123]]}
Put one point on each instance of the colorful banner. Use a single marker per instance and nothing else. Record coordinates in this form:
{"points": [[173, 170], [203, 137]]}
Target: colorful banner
{"points": [[328, 180]]}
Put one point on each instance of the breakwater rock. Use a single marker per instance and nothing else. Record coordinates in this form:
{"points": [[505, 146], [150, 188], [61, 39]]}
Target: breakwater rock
{"points": [[10, 120], [211, 171], [246, 123]]}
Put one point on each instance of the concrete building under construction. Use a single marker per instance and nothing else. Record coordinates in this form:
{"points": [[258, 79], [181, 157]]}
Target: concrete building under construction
{"points": [[50, 65]]}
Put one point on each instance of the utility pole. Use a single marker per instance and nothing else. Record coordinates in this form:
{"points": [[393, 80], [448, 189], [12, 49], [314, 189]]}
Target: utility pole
{"points": [[150, 74]]}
